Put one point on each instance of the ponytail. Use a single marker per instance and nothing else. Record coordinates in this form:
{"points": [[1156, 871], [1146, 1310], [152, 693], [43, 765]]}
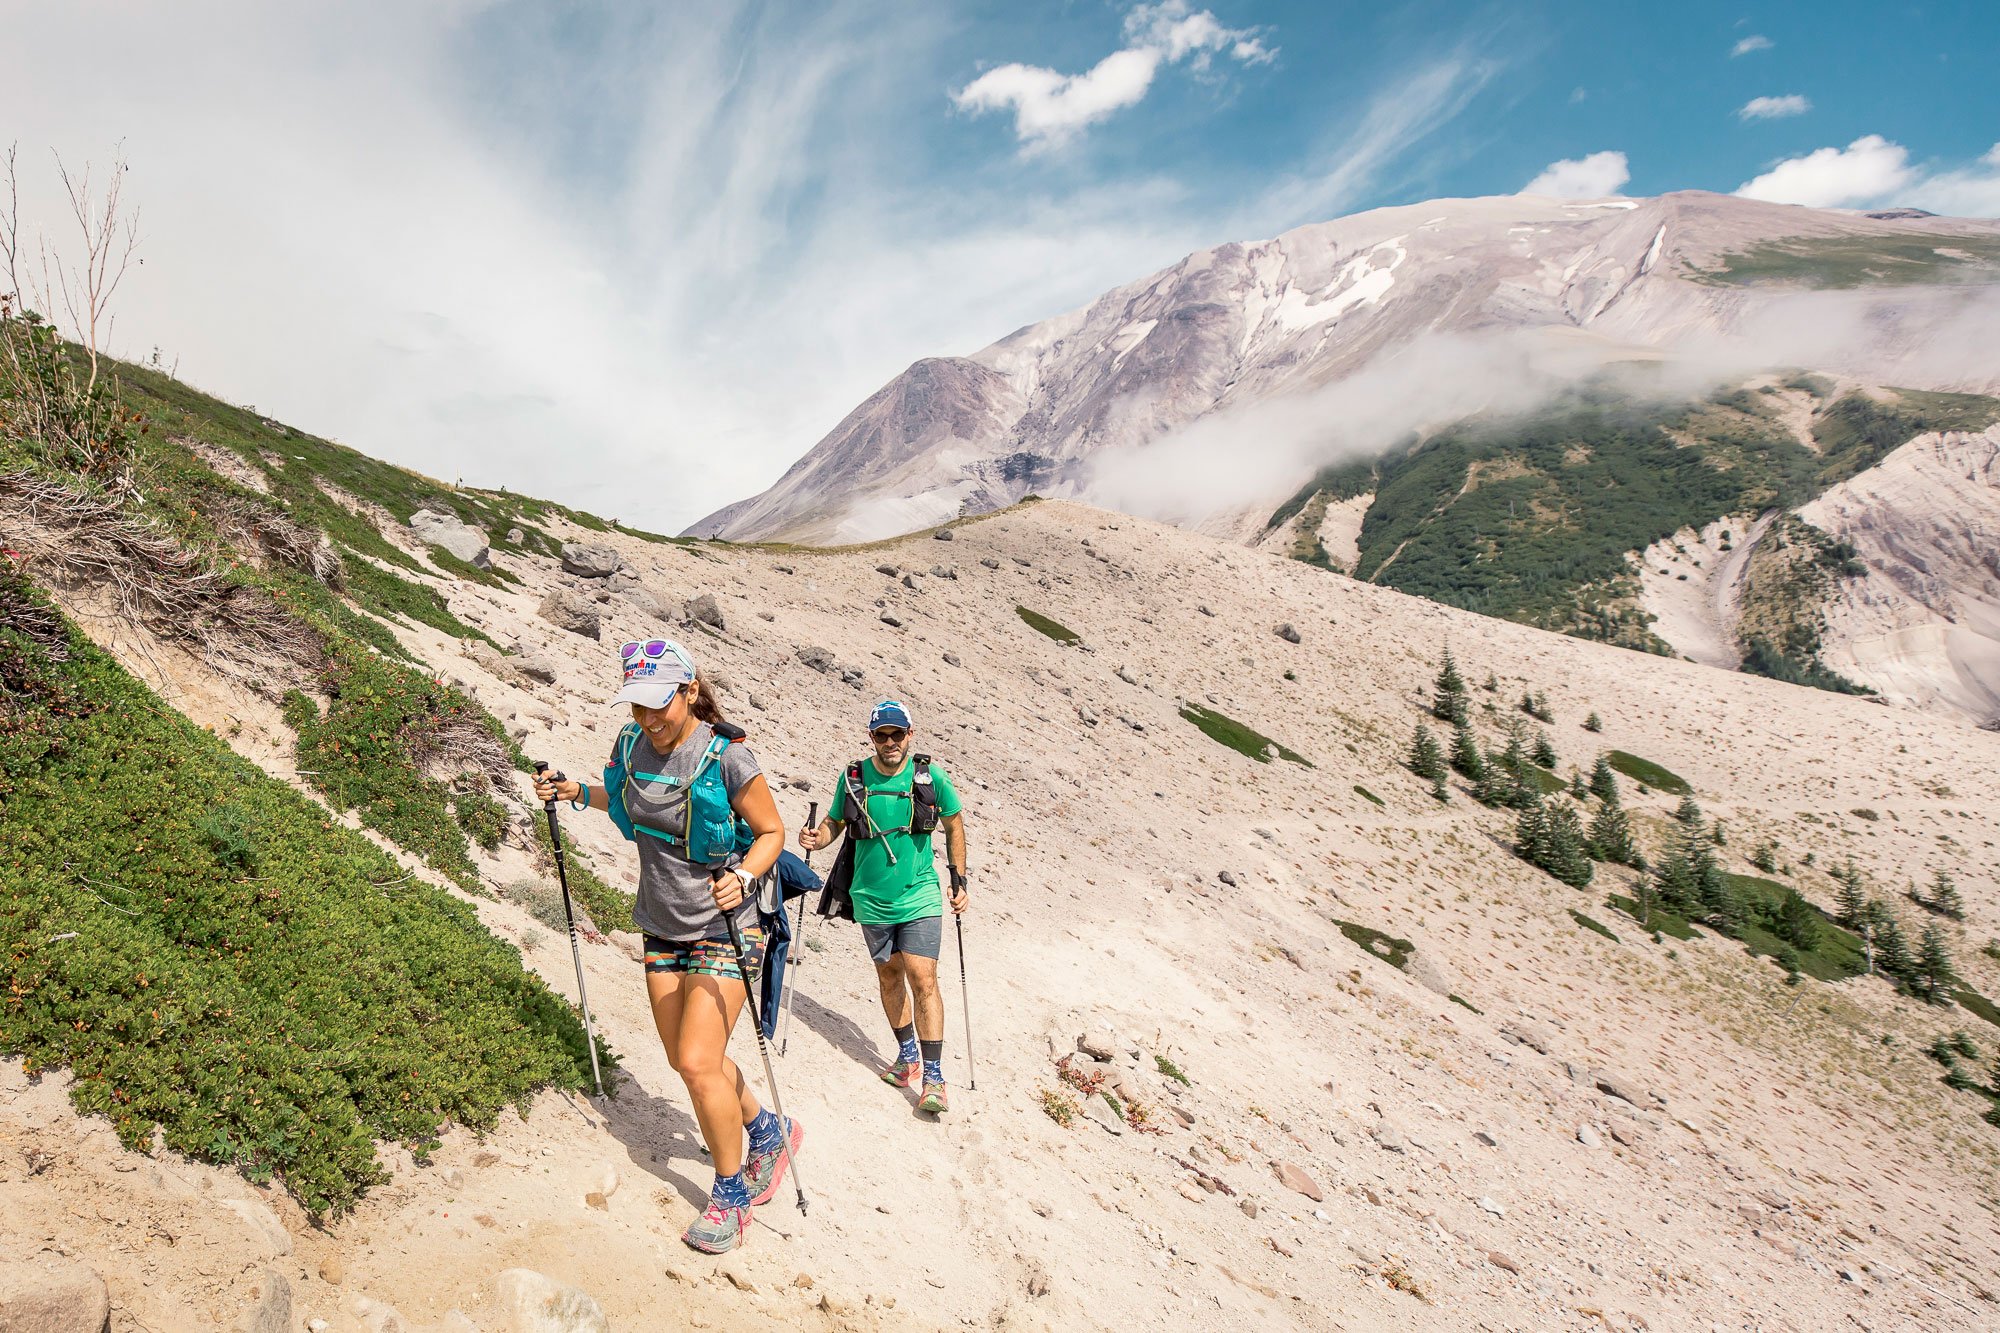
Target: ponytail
{"points": [[704, 705]]}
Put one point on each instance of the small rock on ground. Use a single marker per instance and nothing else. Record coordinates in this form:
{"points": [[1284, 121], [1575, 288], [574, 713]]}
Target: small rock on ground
{"points": [[51, 1293], [537, 1304]]}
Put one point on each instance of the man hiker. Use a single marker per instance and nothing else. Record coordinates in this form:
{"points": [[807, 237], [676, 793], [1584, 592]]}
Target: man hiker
{"points": [[889, 804]]}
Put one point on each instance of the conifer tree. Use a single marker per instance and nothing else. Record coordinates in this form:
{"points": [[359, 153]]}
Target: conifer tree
{"points": [[1531, 834], [1426, 756], [1851, 898], [1892, 948], [1492, 685], [1545, 750], [1449, 705], [1576, 787], [1465, 756], [1765, 857], [1541, 709], [1439, 789], [1716, 834], [1593, 723], [1567, 859], [1945, 899], [1611, 836], [1797, 923], [1688, 812], [1603, 784], [1931, 973]]}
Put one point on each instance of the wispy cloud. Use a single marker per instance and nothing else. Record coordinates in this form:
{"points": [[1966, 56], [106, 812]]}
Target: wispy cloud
{"points": [[1749, 44], [1774, 108], [1409, 107], [1051, 109], [1590, 177]]}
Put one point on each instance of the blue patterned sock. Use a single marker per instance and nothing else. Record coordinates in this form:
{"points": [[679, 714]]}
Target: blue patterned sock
{"points": [[906, 1043], [933, 1071], [730, 1191], [764, 1132]]}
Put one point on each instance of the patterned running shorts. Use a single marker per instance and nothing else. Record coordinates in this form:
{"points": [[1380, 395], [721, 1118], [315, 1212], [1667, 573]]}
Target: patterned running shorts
{"points": [[711, 958]]}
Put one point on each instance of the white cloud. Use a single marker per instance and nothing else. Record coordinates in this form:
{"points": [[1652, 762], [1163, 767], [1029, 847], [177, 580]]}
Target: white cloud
{"points": [[1866, 171], [1051, 108], [1970, 192], [1774, 108], [1749, 44], [1589, 177]]}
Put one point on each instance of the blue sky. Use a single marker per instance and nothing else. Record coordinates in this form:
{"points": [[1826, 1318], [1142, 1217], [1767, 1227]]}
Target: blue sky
{"points": [[641, 256]]}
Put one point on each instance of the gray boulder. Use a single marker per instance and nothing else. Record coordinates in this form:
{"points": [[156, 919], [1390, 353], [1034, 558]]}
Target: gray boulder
{"points": [[942, 534], [537, 1304], [272, 1312], [536, 666], [462, 540], [50, 1294], [819, 659], [1287, 633], [704, 609], [568, 609], [587, 560]]}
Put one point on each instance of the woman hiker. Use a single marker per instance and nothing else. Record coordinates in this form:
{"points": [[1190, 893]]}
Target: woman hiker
{"points": [[666, 786]]}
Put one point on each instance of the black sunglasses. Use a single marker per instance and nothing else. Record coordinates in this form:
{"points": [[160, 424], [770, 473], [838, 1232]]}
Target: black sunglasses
{"points": [[887, 735]]}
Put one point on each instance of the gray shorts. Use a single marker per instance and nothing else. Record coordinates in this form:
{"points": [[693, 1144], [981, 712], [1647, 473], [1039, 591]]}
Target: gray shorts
{"points": [[923, 938]]}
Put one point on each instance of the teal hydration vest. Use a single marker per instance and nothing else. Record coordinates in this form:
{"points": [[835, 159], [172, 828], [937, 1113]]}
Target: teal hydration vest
{"points": [[710, 831]]}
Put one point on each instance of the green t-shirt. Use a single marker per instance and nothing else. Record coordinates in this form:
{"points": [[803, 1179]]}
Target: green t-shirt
{"points": [[885, 894]]}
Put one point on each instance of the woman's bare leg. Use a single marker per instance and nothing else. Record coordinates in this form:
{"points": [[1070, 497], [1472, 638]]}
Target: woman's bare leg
{"points": [[695, 1014]]}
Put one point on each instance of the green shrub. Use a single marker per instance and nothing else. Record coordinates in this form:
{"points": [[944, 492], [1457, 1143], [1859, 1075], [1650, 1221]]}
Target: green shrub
{"points": [[1387, 948], [1367, 795], [281, 1024], [482, 817], [1589, 923], [231, 836]]}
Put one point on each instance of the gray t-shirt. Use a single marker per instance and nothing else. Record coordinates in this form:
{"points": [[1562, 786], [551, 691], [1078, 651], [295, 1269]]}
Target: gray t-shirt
{"points": [[674, 899]]}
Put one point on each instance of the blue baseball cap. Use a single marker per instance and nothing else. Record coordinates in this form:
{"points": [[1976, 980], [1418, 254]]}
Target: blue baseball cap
{"points": [[654, 670], [889, 713]]}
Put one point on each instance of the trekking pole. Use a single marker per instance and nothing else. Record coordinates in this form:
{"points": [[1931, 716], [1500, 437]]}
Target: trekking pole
{"points": [[785, 1040], [764, 1050], [964, 996], [569, 915]]}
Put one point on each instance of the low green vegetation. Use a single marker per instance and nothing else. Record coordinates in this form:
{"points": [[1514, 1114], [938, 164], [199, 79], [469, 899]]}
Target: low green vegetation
{"points": [[1826, 262], [1244, 740], [208, 952], [1168, 1069], [1367, 795], [1973, 1002], [1592, 924], [1647, 773], [1041, 624], [1464, 1003], [1396, 953], [1658, 920], [1538, 518], [1777, 917]]}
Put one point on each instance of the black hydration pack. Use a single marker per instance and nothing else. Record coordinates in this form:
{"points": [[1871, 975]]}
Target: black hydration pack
{"points": [[834, 899], [923, 803]]}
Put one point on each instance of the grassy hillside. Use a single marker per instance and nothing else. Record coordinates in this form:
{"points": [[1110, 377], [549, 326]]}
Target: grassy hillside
{"points": [[207, 951], [1536, 518], [204, 948]]}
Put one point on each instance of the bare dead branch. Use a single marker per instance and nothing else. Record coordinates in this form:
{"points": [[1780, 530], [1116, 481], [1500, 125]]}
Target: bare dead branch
{"points": [[153, 581]]}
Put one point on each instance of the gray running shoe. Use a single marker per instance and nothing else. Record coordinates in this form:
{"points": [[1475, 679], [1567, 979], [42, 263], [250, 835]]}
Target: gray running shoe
{"points": [[719, 1229]]}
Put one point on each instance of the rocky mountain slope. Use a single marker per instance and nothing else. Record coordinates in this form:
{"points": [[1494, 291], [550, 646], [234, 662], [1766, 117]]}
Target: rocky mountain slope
{"points": [[1375, 1068], [1527, 293]]}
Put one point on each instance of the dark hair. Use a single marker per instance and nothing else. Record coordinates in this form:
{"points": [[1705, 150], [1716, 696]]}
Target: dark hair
{"points": [[704, 705]]}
